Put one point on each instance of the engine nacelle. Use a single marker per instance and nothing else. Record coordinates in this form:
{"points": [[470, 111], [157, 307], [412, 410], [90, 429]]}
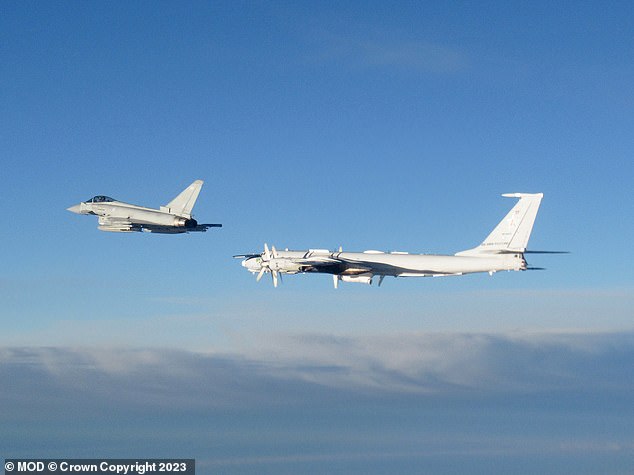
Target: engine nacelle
{"points": [[361, 278], [281, 264], [185, 223]]}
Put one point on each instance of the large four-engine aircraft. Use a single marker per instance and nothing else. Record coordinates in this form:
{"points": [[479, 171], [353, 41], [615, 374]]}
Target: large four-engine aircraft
{"points": [[503, 249], [173, 218]]}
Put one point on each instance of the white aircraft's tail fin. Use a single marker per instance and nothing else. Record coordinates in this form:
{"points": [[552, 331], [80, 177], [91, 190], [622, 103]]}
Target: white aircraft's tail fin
{"points": [[183, 204], [512, 233]]}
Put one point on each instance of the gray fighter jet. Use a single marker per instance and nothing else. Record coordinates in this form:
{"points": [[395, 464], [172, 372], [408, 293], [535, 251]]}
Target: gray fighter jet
{"points": [[119, 217]]}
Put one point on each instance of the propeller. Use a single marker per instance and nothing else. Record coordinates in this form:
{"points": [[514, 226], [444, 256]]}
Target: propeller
{"points": [[265, 264]]}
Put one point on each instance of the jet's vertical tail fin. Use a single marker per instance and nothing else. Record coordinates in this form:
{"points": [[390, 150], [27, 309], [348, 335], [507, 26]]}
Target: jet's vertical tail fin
{"points": [[183, 204], [513, 232]]}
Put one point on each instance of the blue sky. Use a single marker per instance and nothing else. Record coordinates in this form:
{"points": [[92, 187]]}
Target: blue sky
{"points": [[367, 125]]}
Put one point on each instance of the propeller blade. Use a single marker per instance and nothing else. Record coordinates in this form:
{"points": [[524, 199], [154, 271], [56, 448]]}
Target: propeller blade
{"points": [[274, 274], [335, 280], [381, 277], [260, 274], [267, 254], [274, 252]]}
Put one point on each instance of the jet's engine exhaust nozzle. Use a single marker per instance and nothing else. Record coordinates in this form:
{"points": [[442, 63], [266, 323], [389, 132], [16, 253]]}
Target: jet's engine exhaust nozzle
{"points": [[186, 223]]}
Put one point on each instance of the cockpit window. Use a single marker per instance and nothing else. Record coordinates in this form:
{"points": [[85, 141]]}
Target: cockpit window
{"points": [[100, 199]]}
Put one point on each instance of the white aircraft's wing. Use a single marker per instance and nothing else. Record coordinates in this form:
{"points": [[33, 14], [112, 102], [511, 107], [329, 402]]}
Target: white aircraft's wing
{"points": [[317, 261], [335, 265], [381, 268], [358, 266], [347, 268]]}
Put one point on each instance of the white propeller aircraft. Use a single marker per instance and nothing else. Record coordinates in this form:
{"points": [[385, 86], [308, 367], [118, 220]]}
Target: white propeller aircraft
{"points": [[503, 249], [173, 218]]}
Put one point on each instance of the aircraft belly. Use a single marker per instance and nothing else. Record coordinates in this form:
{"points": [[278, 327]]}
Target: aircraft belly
{"points": [[423, 265], [450, 265]]}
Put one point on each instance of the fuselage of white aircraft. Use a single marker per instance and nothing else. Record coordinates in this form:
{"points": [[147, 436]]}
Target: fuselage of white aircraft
{"points": [[502, 250], [363, 266]]}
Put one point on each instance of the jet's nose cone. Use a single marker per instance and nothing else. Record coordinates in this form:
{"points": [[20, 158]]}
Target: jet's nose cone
{"points": [[75, 209]]}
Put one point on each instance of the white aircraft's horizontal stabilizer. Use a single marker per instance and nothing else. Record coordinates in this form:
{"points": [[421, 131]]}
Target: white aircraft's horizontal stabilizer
{"points": [[183, 204], [512, 233]]}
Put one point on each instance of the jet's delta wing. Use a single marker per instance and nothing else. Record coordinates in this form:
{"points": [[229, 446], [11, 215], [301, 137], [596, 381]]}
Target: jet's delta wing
{"points": [[173, 218], [503, 249]]}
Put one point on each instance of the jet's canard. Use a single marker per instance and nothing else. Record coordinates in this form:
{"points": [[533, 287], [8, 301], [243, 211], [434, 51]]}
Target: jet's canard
{"points": [[502, 250], [173, 218]]}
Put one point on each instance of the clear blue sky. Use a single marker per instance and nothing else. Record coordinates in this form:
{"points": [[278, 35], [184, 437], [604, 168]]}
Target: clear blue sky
{"points": [[371, 125]]}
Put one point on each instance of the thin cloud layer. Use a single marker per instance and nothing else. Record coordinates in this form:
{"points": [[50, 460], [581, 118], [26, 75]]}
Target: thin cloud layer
{"points": [[447, 363], [406, 55], [314, 403], [423, 364]]}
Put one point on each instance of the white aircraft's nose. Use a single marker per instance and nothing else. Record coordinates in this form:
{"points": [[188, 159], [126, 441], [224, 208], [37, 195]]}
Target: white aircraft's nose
{"points": [[75, 209], [252, 264]]}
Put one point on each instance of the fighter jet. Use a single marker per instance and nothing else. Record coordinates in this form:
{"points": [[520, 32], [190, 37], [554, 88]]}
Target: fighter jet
{"points": [[119, 217], [503, 249]]}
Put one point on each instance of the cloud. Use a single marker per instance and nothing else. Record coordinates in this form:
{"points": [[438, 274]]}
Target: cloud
{"points": [[317, 402], [414, 55], [408, 363], [450, 362]]}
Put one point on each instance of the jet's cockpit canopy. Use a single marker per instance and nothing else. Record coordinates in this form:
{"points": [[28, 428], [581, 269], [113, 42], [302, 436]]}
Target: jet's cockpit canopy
{"points": [[100, 199]]}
